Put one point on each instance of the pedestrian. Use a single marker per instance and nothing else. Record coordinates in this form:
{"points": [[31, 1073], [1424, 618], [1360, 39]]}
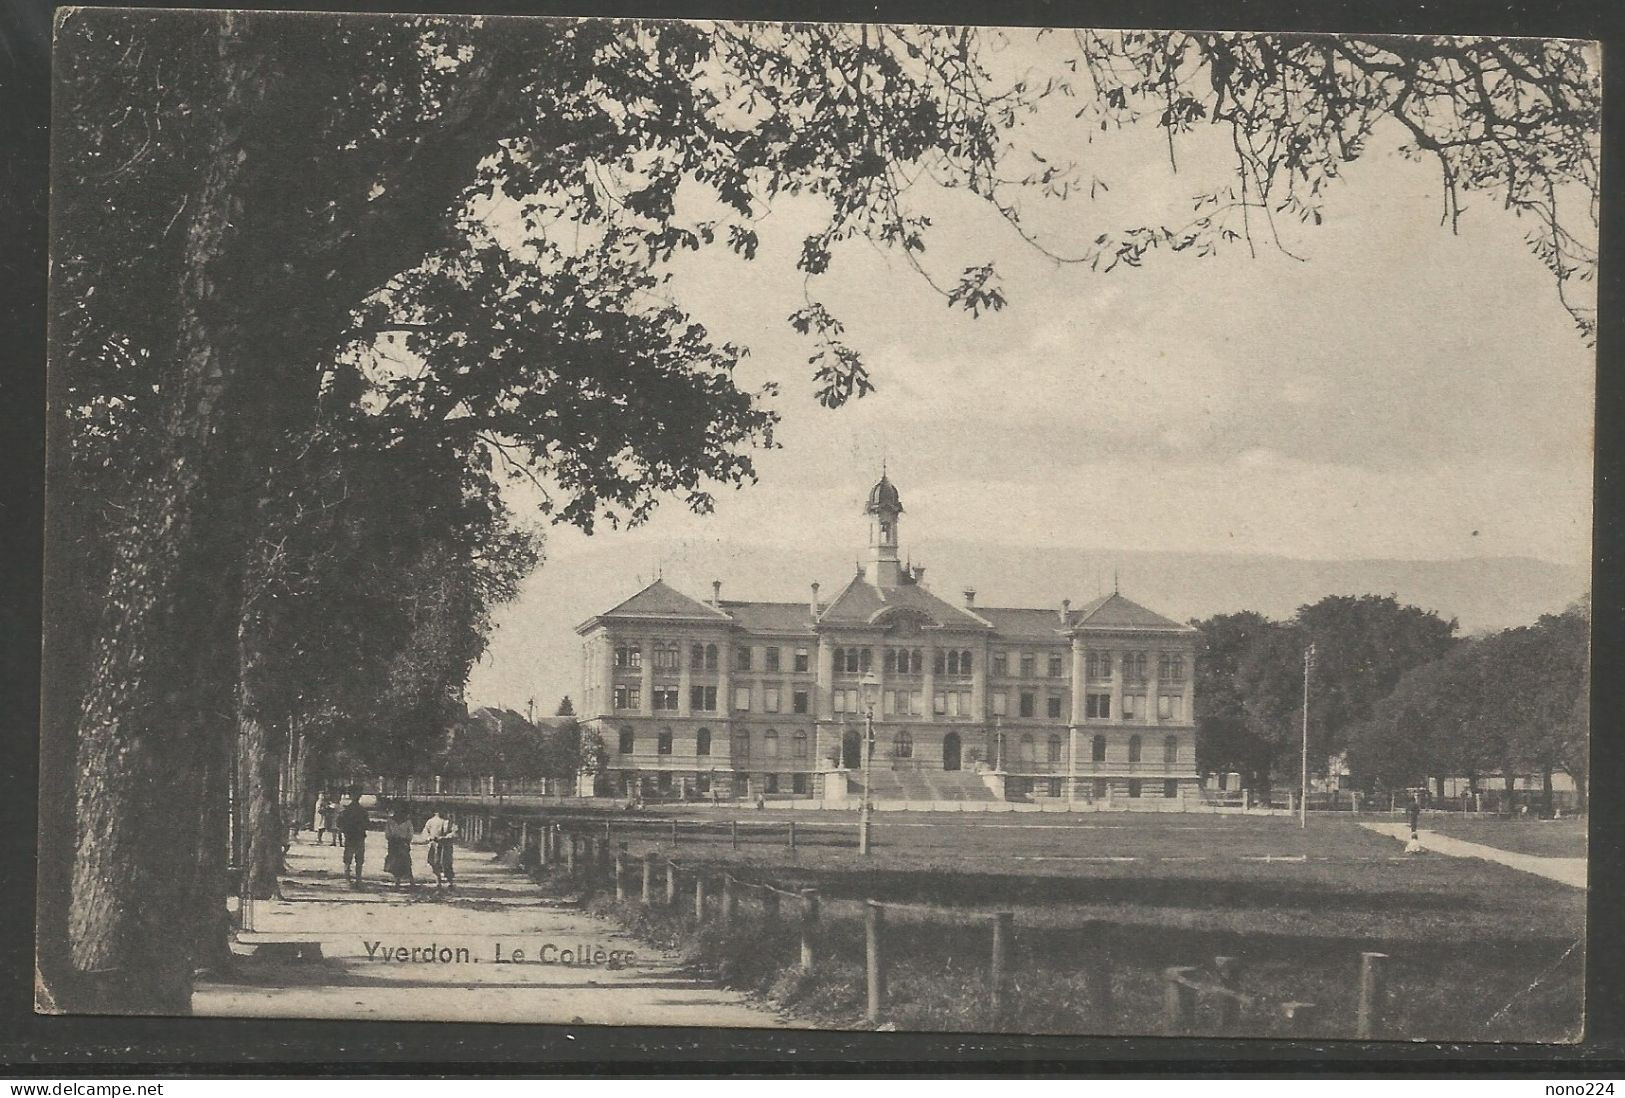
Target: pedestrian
{"points": [[352, 828], [716, 798], [440, 832], [398, 834], [761, 802], [1415, 813], [329, 814]]}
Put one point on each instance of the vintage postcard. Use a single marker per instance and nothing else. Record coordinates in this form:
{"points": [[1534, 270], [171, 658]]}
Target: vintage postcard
{"points": [[1035, 530]]}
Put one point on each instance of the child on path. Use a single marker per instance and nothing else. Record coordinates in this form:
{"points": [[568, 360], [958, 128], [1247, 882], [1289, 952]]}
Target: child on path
{"points": [[352, 827], [440, 832], [327, 813], [398, 853]]}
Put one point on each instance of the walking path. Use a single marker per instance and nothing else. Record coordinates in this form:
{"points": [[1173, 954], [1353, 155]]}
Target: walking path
{"points": [[493, 950], [1569, 871]]}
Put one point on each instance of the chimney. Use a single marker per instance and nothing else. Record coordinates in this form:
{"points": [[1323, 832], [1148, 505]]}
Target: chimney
{"points": [[970, 597], [1066, 608], [813, 605], [716, 593]]}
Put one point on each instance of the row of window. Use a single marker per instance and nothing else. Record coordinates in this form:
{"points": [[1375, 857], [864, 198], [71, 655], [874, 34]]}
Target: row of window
{"points": [[628, 743], [665, 655], [902, 703], [1100, 788], [907, 661]]}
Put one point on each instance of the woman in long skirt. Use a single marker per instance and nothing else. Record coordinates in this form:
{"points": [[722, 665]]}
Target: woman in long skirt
{"points": [[398, 856]]}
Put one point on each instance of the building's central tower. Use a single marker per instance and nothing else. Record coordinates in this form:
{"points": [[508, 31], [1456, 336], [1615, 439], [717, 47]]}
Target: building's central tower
{"points": [[884, 510]]}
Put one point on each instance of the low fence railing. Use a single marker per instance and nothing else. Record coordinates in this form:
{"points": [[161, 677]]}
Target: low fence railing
{"points": [[594, 854]]}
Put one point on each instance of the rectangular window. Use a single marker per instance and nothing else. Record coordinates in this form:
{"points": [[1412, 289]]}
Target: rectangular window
{"points": [[1170, 788], [665, 697], [798, 783], [1098, 706], [770, 699], [1028, 664], [1101, 789], [916, 702], [626, 697], [1133, 706], [1171, 707], [890, 700], [838, 700], [999, 704], [798, 701], [940, 703], [1134, 787], [742, 698], [1028, 703], [1053, 705], [1001, 664], [702, 699], [802, 659], [964, 704], [742, 658], [1056, 665], [772, 659]]}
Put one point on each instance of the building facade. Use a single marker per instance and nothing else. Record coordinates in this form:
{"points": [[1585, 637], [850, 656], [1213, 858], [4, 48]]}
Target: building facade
{"points": [[738, 698]]}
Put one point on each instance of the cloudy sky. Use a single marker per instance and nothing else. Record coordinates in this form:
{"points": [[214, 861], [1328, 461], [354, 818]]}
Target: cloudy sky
{"points": [[1398, 392]]}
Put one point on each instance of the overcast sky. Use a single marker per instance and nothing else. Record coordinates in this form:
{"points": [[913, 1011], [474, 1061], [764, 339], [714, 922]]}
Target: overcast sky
{"points": [[1400, 392]]}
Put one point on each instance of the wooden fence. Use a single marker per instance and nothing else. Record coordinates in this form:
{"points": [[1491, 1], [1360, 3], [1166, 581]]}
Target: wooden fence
{"points": [[592, 853]]}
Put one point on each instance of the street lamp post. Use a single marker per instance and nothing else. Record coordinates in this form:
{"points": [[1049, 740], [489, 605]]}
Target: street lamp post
{"points": [[1303, 788], [868, 684]]}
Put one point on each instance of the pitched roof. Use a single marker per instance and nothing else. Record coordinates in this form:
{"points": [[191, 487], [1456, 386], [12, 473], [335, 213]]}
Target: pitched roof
{"points": [[861, 602], [661, 600], [1113, 611], [1014, 621], [770, 617]]}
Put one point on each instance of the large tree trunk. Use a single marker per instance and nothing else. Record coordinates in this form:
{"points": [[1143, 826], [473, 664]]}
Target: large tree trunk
{"points": [[261, 749]]}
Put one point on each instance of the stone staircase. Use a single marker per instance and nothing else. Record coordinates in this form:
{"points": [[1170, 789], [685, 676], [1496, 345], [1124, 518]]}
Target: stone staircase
{"points": [[925, 785]]}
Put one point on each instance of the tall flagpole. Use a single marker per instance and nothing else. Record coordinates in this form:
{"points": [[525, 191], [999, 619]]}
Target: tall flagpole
{"points": [[1303, 788]]}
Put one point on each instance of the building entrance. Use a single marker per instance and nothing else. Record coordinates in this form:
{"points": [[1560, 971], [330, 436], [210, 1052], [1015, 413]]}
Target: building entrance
{"points": [[950, 751], [851, 752]]}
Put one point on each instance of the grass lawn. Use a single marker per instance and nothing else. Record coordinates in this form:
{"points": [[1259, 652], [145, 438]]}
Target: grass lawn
{"points": [[1466, 938], [1544, 838]]}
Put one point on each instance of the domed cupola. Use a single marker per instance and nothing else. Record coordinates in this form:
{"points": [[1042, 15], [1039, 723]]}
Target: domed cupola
{"points": [[884, 507]]}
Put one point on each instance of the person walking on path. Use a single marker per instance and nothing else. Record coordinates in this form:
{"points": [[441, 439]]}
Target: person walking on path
{"points": [[398, 833], [1415, 813], [327, 812], [440, 833], [352, 823]]}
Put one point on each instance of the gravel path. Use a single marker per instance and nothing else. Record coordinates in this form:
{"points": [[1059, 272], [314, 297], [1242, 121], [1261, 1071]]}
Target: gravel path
{"points": [[1569, 871], [493, 950]]}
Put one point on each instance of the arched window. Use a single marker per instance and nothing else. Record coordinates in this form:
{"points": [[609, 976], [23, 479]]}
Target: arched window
{"points": [[1028, 750], [964, 662], [663, 742], [939, 662], [1178, 669], [1055, 749], [916, 659], [864, 657], [1170, 750], [840, 659], [903, 745], [1097, 750], [741, 745], [800, 741], [1162, 666], [696, 658], [628, 740], [710, 657], [770, 744], [702, 742], [891, 660], [1134, 749], [621, 656], [953, 662]]}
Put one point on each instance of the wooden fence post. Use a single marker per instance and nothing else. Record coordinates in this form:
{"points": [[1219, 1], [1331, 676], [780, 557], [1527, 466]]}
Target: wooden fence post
{"points": [[730, 900], [1228, 971], [999, 971], [699, 897], [1373, 988], [620, 877], [671, 882], [1178, 1000], [809, 929], [792, 834], [649, 879], [733, 833], [874, 921]]}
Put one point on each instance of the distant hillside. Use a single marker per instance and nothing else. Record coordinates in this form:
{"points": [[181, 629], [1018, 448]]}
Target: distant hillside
{"points": [[535, 652]]}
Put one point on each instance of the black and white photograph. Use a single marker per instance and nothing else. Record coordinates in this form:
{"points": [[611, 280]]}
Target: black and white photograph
{"points": [[818, 526]]}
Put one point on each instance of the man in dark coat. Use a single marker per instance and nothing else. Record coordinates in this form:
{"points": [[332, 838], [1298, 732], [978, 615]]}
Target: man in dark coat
{"points": [[352, 825]]}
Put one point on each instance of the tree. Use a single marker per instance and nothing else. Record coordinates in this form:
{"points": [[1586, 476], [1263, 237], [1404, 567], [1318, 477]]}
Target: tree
{"points": [[566, 707], [331, 265], [1225, 740]]}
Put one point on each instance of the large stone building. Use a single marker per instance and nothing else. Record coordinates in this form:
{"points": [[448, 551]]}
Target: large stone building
{"points": [[747, 698]]}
